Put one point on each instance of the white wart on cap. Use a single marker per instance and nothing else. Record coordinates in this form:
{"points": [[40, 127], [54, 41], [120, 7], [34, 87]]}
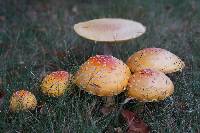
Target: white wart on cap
{"points": [[149, 85], [109, 29], [103, 75], [155, 58]]}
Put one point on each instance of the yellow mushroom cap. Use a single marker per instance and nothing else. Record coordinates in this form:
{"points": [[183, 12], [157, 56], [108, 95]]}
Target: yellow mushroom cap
{"points": [[109, 29], [103, 75], [22, 100], [55, 84], [149, 85], [155, 58]]}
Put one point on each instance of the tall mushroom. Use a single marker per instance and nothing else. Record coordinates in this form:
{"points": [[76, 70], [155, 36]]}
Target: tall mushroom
{"points": [[103, 75], [155, 58], [109, 30]]}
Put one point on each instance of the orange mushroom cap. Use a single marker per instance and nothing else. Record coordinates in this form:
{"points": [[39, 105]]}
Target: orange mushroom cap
{"points": [[149, 85], [155, 58], [103, 75], [55, 84], [109, 29], [22, 100]]}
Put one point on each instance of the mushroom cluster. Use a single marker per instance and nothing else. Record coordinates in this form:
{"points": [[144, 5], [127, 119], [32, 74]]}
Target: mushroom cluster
{"points": [[149, 66], [143, 75]]}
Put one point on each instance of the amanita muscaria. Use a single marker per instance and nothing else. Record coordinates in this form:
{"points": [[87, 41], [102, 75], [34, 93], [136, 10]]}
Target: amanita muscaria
{"points": [[149, 85], [55, 83], [155, 58], [110, 30], [103, 75], [22, 100]]}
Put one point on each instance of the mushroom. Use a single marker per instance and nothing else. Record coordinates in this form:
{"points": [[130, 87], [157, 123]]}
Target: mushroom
{"points": [[103, 75], [22, 100], [55, 83], [155, 58], [109, 30], [149, 85]]}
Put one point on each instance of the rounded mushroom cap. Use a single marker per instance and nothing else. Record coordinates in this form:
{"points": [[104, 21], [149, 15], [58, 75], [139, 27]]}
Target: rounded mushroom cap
{"points": [[149, 85], [22, 100], [155, 58], [109, 29], [103, 75], [55, 84]]}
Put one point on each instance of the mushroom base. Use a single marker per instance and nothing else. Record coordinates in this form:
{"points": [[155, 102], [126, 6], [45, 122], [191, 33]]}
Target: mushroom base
{"points": [[109, 101]]}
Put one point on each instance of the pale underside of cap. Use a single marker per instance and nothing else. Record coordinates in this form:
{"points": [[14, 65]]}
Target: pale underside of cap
{"points": [[109, 29]]}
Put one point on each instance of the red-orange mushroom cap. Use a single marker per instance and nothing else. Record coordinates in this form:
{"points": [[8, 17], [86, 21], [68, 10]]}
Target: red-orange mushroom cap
{"points": [[149, 85], [155, 58], [109, 29], [55, 83], [103, 75]]}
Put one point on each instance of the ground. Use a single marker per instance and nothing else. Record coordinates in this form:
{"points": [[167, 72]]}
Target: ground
{"points": [[37, 37]]}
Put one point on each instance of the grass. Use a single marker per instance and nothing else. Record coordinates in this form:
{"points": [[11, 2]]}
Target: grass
{"points": [[37, 37]]}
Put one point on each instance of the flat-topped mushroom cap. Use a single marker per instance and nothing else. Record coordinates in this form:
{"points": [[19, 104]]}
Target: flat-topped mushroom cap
{"points": [[22, 100], [155, 58], [149, 85], [103, 75], [55, 83], [109, 29]]}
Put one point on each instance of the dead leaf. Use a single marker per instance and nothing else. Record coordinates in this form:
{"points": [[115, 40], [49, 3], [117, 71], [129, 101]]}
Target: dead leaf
{"points": [[135, 124]]}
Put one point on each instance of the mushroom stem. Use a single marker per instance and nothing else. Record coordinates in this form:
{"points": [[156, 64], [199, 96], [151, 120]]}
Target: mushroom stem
{"points": [[109, 101], [107, 49]]}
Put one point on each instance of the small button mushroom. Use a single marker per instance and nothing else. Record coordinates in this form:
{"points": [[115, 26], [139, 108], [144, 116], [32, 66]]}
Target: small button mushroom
{"points": [[109, 30], [22, 100], [103, 75], [149, 85], [55, 83], [155, 58]]}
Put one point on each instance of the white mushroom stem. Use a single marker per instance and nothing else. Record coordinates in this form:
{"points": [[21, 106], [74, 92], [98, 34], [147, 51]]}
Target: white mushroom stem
{"points": [[107, 49], [110, 100]]}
